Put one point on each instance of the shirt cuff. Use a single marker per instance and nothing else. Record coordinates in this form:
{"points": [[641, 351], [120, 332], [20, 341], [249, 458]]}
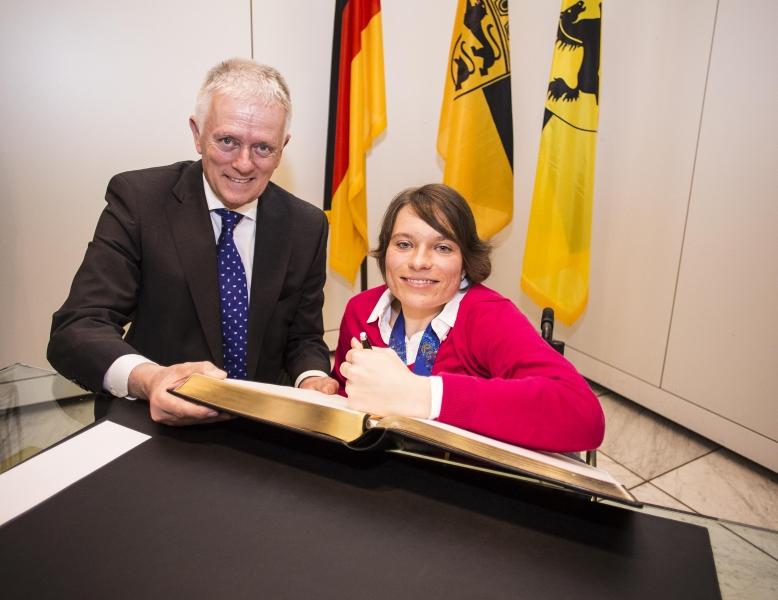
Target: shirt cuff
{"points": [[305, 374], [436, 396], [117, 377]]}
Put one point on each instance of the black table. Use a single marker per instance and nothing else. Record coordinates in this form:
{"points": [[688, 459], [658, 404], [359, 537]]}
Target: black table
{"points": [[241, 509]]}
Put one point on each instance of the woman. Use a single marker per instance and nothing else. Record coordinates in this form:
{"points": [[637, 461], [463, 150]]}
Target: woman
{"points": [[448, 348]]}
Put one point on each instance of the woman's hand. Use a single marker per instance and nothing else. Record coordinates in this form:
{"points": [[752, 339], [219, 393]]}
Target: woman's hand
{"points": [[377, 382]]}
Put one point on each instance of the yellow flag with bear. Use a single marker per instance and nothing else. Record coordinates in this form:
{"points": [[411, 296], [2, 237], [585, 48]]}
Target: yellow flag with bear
{"points": [[555, 271], [475, 133]]}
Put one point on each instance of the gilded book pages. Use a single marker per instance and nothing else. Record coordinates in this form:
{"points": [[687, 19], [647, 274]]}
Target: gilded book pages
{"points": [[299, 409], [319, 414], [549, 467]]}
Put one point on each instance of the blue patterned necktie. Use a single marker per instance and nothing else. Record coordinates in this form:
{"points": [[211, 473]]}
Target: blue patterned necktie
{"points": [[428, 347], [233, 296]]}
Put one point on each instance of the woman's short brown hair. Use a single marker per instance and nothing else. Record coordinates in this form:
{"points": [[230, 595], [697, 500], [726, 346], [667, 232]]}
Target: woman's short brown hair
{"points": [[443, 209]]}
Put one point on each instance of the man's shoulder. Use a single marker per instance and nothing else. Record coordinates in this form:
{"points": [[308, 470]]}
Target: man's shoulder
{"points": [[162, 174], [297, 207]]}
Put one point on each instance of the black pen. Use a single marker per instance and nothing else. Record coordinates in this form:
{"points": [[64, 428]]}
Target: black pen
{"points": [[363, 338]]}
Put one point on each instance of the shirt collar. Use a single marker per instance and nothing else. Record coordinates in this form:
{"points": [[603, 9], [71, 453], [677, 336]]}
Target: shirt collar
{"points": [[248, 210], [441, 325]]}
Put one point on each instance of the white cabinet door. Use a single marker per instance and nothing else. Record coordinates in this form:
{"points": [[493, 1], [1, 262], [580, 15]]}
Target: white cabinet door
{"points": [[723, 350]]}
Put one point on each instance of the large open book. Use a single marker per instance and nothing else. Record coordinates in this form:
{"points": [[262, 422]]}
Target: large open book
{"points": [[329, 417]]}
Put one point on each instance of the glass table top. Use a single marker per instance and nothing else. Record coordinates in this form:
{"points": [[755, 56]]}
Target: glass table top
{"points": [[39, 408]]}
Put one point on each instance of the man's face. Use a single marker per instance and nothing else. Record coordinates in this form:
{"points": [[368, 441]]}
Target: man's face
{"points": [[241, 143]]}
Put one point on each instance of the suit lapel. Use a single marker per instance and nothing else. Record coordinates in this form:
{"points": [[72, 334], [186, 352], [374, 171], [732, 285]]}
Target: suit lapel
{"points": [[192, 233], [272, 248]]}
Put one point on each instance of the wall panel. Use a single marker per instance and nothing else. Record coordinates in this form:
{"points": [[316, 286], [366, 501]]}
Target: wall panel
{"points": [[89, 89], [724, 336], [654, 63]]}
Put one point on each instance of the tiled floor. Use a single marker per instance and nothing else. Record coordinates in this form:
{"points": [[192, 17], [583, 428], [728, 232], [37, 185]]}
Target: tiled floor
{"points": [[665, 465], [662, 463]]}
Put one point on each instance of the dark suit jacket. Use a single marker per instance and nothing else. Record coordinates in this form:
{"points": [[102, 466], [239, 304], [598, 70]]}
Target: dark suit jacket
{"points": [[152, 262]]}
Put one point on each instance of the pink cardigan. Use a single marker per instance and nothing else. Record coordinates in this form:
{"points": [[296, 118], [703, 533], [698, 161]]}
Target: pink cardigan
{"points": [[500, 378]]}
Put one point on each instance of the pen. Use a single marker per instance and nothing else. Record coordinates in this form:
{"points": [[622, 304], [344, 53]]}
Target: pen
{"points": [[363, 338]]}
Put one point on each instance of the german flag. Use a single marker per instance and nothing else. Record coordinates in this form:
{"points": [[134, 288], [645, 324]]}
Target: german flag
{"points": [[475, 135], [357, 116], [555, 272]]}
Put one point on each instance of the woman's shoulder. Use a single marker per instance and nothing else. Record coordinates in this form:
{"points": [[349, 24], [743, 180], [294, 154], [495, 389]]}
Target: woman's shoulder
{"points": [[481, 303], [479, 293], [367, 299]]}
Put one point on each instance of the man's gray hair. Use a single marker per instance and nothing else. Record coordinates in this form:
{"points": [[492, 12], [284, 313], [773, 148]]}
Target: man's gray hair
{"points": [[244, 79]]}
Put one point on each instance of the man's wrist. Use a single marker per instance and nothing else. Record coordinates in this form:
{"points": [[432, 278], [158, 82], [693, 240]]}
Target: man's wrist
{"points": [[139, 383], [116, 380], [307, 374]]}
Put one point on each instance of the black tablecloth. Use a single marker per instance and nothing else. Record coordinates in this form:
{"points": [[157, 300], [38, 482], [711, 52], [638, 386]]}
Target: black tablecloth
{"points": [[241, 509]]}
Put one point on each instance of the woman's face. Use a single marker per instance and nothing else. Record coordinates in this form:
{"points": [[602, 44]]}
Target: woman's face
{"points": [[423, 268]]}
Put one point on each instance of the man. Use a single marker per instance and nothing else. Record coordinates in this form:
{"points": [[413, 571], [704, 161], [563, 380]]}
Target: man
{"points": [[211, 263]]}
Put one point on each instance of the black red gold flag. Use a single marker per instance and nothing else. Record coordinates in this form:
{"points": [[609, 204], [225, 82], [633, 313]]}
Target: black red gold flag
{"points": [[357, 117]]}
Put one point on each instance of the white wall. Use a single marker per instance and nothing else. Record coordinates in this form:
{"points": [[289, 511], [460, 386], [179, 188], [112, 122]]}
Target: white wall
{"points": [[89, 89]]}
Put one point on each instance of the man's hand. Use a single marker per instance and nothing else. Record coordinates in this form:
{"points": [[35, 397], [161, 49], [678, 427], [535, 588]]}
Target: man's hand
{"points": [[325, 385], [377, 382], [152, 382]]}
